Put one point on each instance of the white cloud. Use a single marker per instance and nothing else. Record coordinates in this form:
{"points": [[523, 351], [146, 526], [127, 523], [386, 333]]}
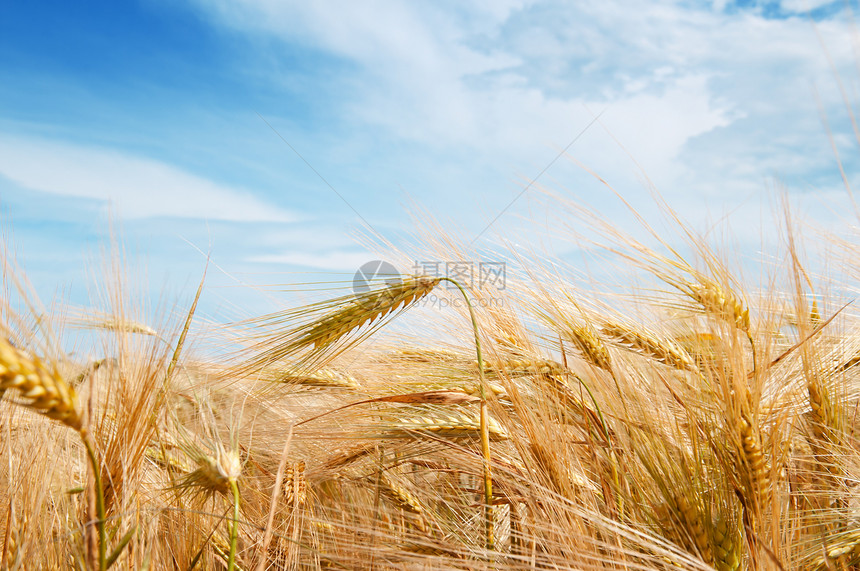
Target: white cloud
{"points": [[135, 187], [802, 6], [332, 260], [489, 78], [702, 99]]}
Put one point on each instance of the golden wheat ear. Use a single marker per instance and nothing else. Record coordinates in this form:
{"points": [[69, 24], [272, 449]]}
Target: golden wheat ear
{"points": [[639, 341], [327, 328], [40, 389], [591, 347]]}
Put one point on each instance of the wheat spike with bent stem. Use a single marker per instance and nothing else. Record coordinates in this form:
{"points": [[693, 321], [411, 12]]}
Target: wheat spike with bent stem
{"points": [[217, 471], [46, 391], [321, 337]]}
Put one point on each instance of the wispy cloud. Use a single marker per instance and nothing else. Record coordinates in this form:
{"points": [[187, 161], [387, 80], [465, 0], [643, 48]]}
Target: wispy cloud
{"points": [[500, 84], [348, 260], [135, 187]]}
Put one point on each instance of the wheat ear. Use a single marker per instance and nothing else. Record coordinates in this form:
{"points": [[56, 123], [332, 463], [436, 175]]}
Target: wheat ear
{"points": [[524, 366], [723, 304], [753, 460], [47, 392], [821, 410], [295, 486], [41, 389], [844, 549], [727, 546], [693, 523], [450, 424], [665, 352], [217, 473], [367, 308], [404, 499], [321, 335], [718, 302], [323, 378], [591, 347]]}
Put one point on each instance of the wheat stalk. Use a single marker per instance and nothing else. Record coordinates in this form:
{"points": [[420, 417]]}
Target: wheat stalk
{"points": [[222, 549]]}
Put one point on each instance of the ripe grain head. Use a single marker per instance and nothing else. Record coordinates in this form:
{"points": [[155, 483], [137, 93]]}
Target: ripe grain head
{"points": [[39, 388]]}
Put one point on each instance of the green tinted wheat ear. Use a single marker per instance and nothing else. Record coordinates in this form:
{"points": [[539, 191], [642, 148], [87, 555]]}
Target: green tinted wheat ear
{"points": [[215, 469], [217, 472], [40, 389], [727, 546], [694, 526]]}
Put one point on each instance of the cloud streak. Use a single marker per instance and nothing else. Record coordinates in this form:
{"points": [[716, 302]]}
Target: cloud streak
{"points": [[135, 187]]}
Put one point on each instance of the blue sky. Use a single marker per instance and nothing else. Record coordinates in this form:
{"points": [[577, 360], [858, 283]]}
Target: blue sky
{"points": [[154, 117]]}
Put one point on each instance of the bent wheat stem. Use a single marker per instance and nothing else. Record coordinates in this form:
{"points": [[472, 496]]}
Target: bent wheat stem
{"points": [[47, 392], [485, 428]]}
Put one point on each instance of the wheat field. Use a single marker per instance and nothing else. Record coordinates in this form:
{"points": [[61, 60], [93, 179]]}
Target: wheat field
{"points": [[693, 421]]}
